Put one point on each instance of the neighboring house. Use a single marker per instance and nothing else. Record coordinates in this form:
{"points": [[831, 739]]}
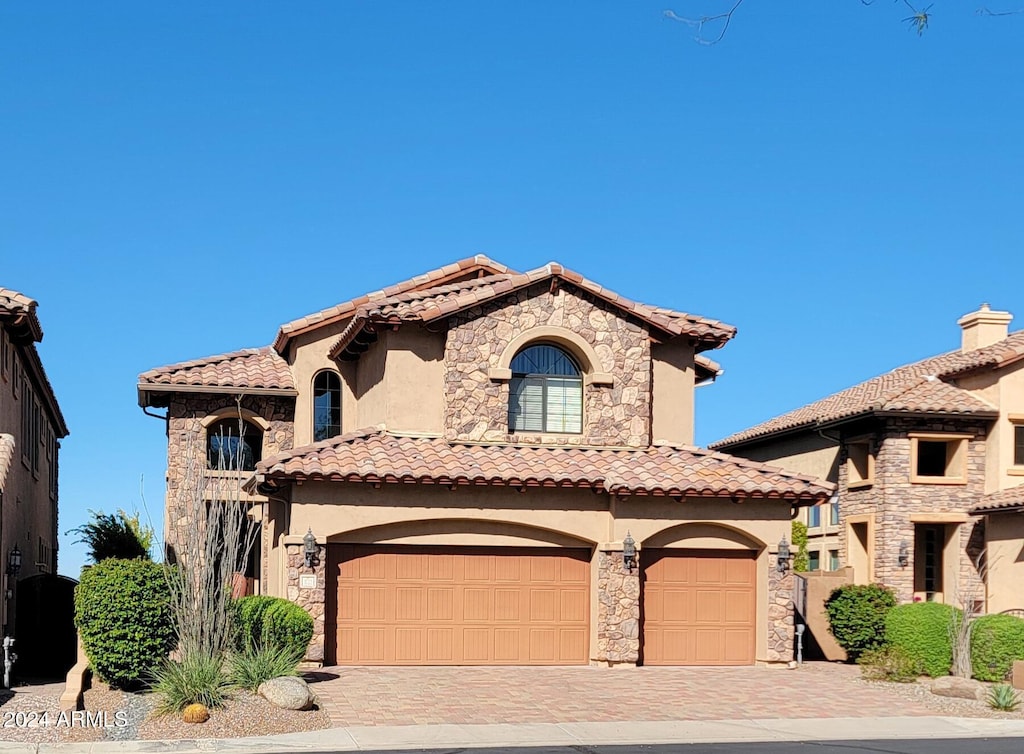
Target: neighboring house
{"points": [[31, 427], [477, 449], [929, 462]]}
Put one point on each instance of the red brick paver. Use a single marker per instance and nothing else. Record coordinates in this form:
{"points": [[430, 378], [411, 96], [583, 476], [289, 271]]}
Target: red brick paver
{"points": [[474, 695]]}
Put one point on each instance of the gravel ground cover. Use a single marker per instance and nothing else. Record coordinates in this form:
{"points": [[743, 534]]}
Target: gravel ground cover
{"points": [[119, 716]]}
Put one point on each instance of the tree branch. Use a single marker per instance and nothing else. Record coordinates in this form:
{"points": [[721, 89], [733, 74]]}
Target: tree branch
{"points": [[698, 23]]}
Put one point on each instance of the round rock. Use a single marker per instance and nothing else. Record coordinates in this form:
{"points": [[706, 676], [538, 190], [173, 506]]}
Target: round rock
{"points": [[288, 692]]}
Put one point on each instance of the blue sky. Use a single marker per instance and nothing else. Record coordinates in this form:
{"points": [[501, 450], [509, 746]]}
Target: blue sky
{"points": [[180, 178]]}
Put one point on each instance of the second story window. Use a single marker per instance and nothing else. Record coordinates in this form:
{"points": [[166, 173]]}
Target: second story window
{"points": [[546, 391], [938, 458], [232, 445], [1018, 442], [326, 405]]}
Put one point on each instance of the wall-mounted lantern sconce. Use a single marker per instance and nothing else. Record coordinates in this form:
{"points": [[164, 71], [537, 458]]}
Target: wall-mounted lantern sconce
{"points": [[904, 556], [784, 556], [310, 549], [14, 561], [629, 552]]}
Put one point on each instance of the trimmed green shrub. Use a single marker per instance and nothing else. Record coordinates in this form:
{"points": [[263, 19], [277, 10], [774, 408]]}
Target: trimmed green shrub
{"points": [[889, 664], [271, 622], [802, 559], [195, 679], [996, 641], [123, 616], [256, 664], [923, 631], [856, 616]]}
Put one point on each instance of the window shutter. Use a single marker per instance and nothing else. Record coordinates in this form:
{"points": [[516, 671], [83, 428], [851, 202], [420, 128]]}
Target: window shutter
{"points": [[526, 405], [564, 404]]}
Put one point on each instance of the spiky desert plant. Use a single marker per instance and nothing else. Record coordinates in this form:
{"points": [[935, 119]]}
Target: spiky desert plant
{"points": [[1003, 697]]}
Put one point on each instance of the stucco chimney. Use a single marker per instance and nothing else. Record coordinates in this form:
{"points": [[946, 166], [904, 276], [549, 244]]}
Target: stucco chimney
{"points": [[983, 328]]}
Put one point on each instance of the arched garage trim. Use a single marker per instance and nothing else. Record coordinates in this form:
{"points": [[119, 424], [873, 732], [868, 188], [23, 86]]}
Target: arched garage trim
{"points": [[459, 531], [704, 535]]}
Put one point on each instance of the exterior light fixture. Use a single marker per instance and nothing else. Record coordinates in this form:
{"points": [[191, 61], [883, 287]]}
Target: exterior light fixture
{"points": [[14, 561], [784, 556], [904, 556], [310, 548], [629, 552]]}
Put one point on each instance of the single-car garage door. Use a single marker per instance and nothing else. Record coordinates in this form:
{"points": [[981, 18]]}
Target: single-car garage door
{"points": [[699, 607], [410, 605]]}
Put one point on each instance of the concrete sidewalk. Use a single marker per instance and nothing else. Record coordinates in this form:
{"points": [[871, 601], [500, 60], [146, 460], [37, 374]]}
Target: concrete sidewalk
{"points": [[374, 738]]}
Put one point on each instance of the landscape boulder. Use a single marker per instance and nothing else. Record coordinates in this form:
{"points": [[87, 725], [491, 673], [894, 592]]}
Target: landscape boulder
{"points": [[959, 688], [289, 692]]}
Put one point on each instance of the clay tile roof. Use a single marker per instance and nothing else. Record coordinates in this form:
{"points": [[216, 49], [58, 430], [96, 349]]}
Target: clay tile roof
{"points": [[479, 263], [252, 368], [428, 304], [6, 456], [706, 367], [377, 456], [22, 309], [922, 387], [1011, 499]]}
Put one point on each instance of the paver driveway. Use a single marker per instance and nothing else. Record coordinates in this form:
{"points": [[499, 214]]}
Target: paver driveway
{"points": [[481, 695]]}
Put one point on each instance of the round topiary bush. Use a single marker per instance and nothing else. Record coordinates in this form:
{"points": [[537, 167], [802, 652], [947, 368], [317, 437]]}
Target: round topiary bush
{"points": [[996, 641], [856, 616], [123, 616], [272, 622], [923, 630]]}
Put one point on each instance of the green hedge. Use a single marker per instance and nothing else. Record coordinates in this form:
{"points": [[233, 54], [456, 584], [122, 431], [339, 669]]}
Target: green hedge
{"points": [[123, 616], [922, 630], [856, 616], [272, 622], [996, 641]]}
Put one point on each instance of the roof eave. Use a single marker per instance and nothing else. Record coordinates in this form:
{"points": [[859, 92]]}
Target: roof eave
{"points": [[146, 389]]}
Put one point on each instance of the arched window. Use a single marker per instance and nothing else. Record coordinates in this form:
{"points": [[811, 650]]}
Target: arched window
{"points": [[546, 391], [233, 445], [326, 405]]}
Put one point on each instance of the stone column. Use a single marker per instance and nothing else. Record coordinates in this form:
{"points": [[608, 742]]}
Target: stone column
{"points": [[618, 610], [308, 596], [780, 613]]}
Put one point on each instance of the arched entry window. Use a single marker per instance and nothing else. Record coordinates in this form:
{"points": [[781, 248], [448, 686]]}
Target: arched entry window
{"points": [[326, 405], [232, 445], [546, 391]]}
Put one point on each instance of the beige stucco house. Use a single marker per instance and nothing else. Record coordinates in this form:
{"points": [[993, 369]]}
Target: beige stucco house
{"points": [[929, 463], [475, 449], [31, 427]]}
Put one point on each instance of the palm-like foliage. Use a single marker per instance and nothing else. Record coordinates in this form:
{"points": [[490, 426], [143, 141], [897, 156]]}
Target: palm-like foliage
{"points": [[115, 535]]}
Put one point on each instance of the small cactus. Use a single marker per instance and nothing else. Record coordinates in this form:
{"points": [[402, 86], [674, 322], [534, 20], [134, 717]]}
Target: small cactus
{"points": [[195, 713], [1003, 697]]}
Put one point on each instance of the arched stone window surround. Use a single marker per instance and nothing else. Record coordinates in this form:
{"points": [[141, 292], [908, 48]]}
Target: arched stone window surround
{"points": [[573, 343], [312, 393], [234, 413]]}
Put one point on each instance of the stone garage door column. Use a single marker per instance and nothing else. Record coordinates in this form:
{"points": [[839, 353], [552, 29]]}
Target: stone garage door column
{"points": [[618, 608], [780, 612], [306, 587]]}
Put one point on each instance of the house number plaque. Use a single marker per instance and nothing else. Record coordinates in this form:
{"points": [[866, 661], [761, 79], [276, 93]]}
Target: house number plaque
{"points": [[307, 581]]}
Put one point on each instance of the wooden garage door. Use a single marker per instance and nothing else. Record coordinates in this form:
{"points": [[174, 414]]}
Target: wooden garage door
{"points": [[699, 607], [405, 605]]}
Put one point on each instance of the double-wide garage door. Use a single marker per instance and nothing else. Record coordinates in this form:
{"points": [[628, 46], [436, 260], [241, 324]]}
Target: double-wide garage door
{"points": [[699, 607], [409, 605]]}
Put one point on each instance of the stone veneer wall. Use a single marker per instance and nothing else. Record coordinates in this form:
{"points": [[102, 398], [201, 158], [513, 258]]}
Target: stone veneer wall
{"points": [[185, 435], [618, 611], [312, 600], [476, 408], [780, 613], [893, 499]]}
